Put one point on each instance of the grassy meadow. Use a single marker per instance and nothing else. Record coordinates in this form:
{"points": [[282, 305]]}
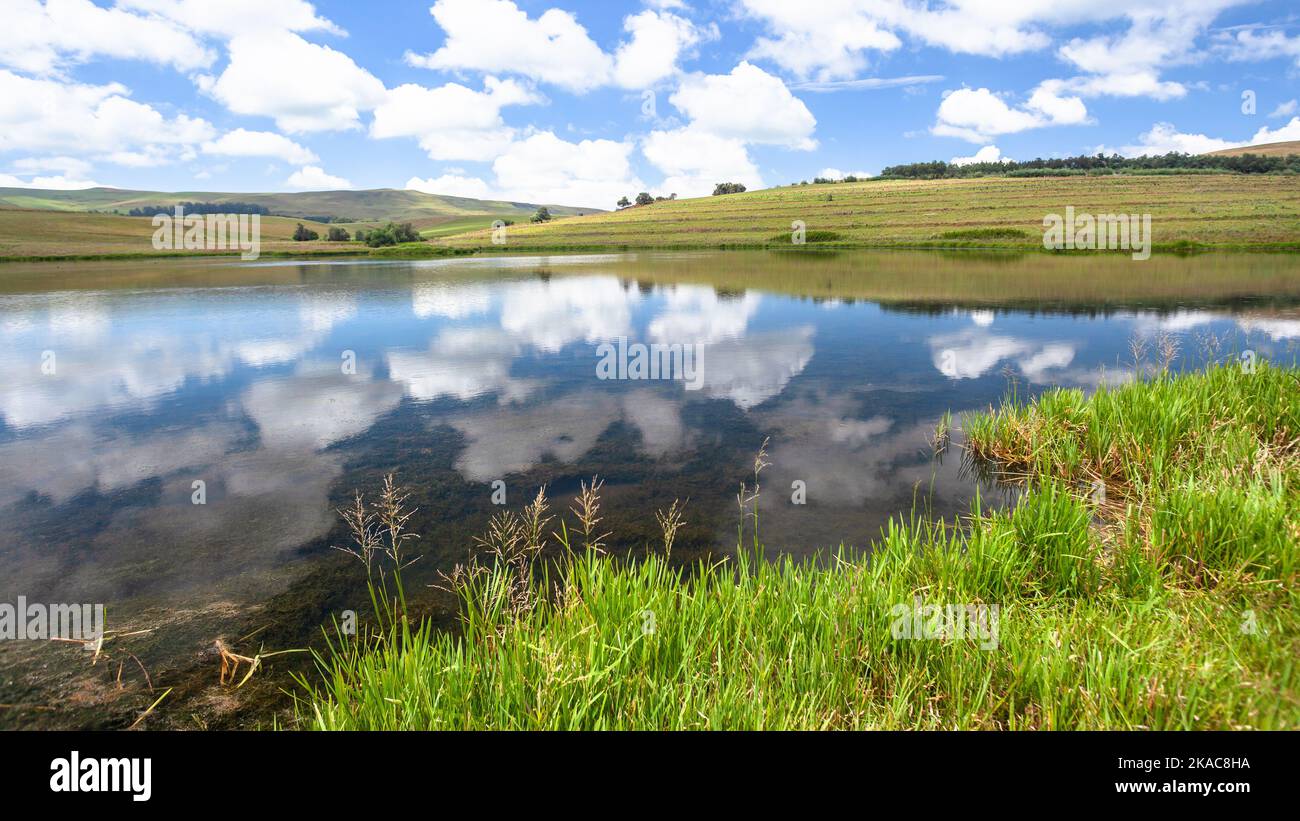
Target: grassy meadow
{"points": [[1188, 211], [45, 234], [1146, 579]]}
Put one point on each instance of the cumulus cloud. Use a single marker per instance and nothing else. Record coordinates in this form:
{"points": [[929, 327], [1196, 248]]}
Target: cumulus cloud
{"points": [[979, 115], [49, 116], [694, 161], [836, 174], [989, 153], [45, 38], [314, 178], [1164, 138], [727, 113], [1288, 132], [59, 182], [244, 143], [496, 36], [748, 104], [657, 43], [826, 45], [546, 169], [452, 122], [837, 41], [303, 86], [1254, 44], [451, 185]]}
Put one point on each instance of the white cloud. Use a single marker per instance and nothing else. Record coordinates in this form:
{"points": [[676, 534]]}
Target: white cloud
{"points": [[1164, 138], [68, 165], [452, 122], [836, 174], [1288, 132], [302, 85], [44, 38], [547, 169], [497, 36], [978, 115], [1286, 109], [451, 185], [57, 183], [989, 153], [694, 161], [833, 41], [314, 178], [658, 40], [748, 104], [49, 116], [1251, 45], [825, 44], [244, 143], [230, 18]]}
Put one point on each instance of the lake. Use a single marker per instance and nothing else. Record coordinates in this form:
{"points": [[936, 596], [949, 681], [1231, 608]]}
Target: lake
{"points": [[176, 436]]}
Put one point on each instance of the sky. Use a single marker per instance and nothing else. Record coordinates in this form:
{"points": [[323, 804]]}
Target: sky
{"points": [[581, 102]]}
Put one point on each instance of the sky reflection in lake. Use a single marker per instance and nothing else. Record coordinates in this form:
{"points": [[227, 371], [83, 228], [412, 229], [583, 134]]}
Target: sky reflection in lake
{"points": [[283, 397]]}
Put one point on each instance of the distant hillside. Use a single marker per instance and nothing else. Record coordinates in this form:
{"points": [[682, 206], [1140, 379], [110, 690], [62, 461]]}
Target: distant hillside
{"points": [[370, 205], [1187, 211], [1265, 150]]}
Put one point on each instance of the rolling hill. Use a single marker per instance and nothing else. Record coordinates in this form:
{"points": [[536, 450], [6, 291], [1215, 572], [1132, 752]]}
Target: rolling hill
{"points": [[380, 204], [1264, 149], [1187, 211]]}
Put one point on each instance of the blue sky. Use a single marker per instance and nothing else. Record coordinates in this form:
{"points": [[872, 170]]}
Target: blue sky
{"points": [[582, 101]]}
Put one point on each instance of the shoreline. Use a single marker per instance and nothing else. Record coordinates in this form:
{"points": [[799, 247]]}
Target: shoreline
{"points": [[439, 252]]}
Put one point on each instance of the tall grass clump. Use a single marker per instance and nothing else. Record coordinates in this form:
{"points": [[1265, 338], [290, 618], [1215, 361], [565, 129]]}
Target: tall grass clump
{"points": [[1144, 579], [1203, 467]]}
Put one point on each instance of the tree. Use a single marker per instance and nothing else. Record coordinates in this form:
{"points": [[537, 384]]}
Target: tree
{"points": [[624, 203], [337, 235], [391, 234], [543, 215], [644, 198], [304, 234], [728, 188]]}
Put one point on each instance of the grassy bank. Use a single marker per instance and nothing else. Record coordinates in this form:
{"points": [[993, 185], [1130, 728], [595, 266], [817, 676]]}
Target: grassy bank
{"points": [[1146, 579], [1188, 211]]}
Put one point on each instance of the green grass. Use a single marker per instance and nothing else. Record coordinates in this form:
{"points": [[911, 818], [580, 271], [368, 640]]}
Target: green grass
{"points": [[1170, 604], [1188, 211]]}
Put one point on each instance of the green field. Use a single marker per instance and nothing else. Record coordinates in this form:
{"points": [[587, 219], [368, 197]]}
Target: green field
{"points": [[1188, 211], [43, 234], [1168, 601]]}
